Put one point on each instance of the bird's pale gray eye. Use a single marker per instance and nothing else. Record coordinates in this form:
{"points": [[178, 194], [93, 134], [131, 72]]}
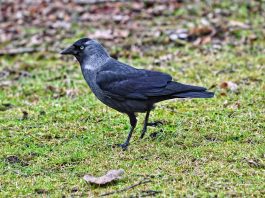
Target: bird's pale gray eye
{"points": [[82, 47]]}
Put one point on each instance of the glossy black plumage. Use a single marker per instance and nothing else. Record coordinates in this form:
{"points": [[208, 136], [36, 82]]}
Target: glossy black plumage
{"points": [[125, 88]]}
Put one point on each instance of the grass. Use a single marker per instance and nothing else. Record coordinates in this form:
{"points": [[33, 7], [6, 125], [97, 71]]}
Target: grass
{"points": [[205, 148]]}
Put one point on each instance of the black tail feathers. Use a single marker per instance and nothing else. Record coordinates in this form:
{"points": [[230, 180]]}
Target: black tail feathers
{"points": [[194, 94]]}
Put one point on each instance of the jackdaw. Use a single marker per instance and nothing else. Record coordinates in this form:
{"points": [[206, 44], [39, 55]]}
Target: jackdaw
{"points": [[125, 88]]}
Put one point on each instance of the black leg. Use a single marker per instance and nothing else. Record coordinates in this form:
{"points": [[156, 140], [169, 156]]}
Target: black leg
{"points": [[145, 124], [133, 122]]}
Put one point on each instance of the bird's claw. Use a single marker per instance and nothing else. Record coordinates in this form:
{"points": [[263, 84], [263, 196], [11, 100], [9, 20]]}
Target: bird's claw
{"points": [[124, 146], [154, 124]]}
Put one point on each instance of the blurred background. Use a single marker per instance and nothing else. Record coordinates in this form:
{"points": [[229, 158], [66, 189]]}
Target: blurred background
{"points": [[129, 28], [170, 36]]}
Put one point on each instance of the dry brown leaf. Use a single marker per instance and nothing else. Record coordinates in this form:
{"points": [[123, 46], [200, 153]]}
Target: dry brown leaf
{"points": [[201, 31], [255, 163], [121, 33], [121, 18], [238, 24], [103, 34], [229, 85], [107, 178], [233, 106], [6, 83], [71, 93], [206, 39], [110, 34]]}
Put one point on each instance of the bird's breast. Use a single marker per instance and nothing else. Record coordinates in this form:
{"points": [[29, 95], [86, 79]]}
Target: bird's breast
{"points": [[90, 77]]}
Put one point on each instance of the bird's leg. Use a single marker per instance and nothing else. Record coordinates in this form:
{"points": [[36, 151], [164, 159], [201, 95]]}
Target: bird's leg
{"points": [[145, 124], [133, 122]]}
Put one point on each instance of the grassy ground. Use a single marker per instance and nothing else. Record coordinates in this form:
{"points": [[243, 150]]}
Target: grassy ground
{"points": [[53, 130]]}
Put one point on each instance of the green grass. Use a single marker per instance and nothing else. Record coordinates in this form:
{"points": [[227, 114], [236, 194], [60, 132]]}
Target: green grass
{"points": [[205, 148]]}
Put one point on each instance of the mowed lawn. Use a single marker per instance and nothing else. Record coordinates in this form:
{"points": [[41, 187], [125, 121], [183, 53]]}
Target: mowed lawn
{"points": [[54, 131]]}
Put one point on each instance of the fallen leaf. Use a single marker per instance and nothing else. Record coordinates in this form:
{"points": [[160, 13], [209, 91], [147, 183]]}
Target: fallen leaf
{"points": [[56, 91], [235, 106], [231, 106], [238, 24], [225, 104], [103, 34], [120, 18], [229, 85], [223, 94], [71, 93], [109, 177], [163, 58], [255, 163], [202, 31], [121, 33], [6, 83]]}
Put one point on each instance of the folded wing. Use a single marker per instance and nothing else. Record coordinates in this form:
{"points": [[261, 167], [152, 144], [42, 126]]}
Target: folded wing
{"points": [[120, 81]]}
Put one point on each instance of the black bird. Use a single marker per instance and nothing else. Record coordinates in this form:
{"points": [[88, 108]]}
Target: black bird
{"points": [[125, 88]]}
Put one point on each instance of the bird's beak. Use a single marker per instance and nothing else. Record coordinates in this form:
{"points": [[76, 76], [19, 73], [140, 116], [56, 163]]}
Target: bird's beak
{"points": [[69, 50]]}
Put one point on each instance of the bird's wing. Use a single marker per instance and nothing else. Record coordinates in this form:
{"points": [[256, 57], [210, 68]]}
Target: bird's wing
{"points": [[121, 81]]}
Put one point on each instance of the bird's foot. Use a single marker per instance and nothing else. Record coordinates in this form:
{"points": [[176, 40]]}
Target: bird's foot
{"points": [[124, 146], [142, 136], [154, 124]]}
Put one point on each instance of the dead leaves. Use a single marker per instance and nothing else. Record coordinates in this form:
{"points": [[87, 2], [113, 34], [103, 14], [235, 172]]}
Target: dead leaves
{"points": [[255, 163], [8, 76], [229, 85], [202, 35], [199, 35], [229, 105], [144, 193], [114, 175], [238, 24], [41, 25], [58, 92], [36, 25], [110, 176], [110, 34]]}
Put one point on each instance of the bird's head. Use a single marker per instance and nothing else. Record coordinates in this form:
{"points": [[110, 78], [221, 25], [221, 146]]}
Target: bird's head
{"points": [[87, 51]]}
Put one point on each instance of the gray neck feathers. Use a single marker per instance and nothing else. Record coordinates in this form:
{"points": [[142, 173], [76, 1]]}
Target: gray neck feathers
{"points": [[95, 56]]}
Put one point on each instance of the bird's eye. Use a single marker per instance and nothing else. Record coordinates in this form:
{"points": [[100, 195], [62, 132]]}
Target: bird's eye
{"points": [[82, 47]]}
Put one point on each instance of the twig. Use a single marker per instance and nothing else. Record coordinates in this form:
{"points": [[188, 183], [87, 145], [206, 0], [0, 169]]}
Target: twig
{"points": [[144, 181]]}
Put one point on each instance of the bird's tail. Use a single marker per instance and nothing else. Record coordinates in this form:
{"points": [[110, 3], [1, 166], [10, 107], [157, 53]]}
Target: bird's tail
{"points": [[194, 94], [179, 90]]}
